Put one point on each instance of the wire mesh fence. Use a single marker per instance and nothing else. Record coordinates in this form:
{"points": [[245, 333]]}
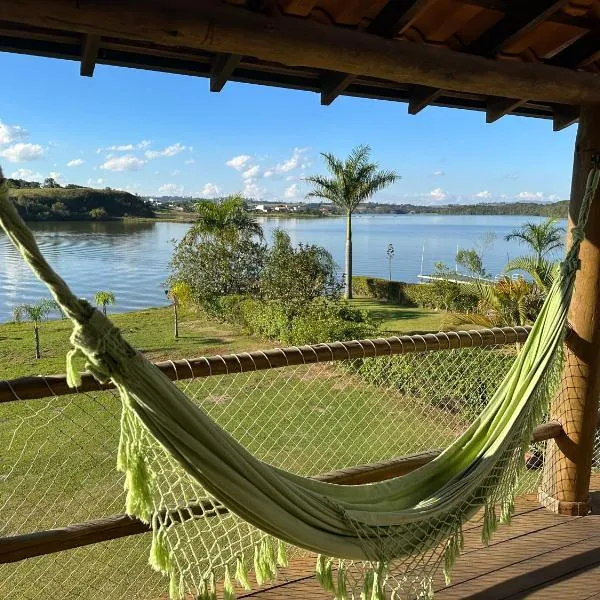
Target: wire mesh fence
{"points": [[59, 453]]}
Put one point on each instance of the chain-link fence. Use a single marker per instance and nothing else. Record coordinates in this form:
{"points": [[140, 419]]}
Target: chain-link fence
{"points": [[58, 453]]}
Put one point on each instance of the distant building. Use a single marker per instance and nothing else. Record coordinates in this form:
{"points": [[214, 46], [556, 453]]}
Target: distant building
{"points": [[262, 208]]}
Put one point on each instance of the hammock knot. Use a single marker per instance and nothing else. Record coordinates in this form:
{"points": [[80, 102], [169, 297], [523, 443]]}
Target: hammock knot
{"points": [[102, 345]]}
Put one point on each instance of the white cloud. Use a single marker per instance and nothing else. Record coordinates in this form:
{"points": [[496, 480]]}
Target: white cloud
{"points": [[531, 196], [437, 194], [127, 162], [484, 195], [210, 190], [175, 173], [76, 162], [292, 192], [98, 181], [170, 189], [123, 148], [268, 173], [12, 133], [296, 161], [438, 173], [151, 154], [189, 161], [252, 190], [290, 178], [27, 174], [22, 152], [173, 149], [238, 162], [251, 173], [144, 144]]}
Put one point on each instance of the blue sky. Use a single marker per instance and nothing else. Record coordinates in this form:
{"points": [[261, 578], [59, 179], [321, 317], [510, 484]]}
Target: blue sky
{"points": [[155, 133]]}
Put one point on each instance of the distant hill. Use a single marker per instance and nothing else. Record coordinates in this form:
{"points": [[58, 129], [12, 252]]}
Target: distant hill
{"points": [[558, 210], [74, 203]]}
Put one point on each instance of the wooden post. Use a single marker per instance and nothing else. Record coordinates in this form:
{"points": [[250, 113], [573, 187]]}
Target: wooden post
{"points": [[565, 487]]}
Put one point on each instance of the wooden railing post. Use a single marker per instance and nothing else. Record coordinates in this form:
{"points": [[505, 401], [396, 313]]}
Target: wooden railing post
{"points": [[565, 485]]}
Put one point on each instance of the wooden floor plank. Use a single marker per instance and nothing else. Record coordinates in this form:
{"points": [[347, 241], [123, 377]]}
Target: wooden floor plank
{"points": [[578, 585]]}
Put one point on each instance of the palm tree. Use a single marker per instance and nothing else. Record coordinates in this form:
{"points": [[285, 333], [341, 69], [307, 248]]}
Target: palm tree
{"points": [[542, 238], [227, 219], [500, 304], [180, 294], [35, 313], [104, 298], [352, 181]]}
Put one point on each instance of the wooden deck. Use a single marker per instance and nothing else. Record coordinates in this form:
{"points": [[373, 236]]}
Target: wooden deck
{"points": [[540, 556]]}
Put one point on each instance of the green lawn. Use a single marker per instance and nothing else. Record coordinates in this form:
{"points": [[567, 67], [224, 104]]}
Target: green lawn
{"points": [[401, 319], [149, 330]]}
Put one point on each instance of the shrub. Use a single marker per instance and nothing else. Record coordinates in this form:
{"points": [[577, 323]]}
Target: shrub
{"points": [[382, 289], [296, 276], [463, 379], [214, 268]]}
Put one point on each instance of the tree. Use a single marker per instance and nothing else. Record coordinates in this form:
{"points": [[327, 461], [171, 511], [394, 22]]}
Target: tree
{"points": [[35, 313], [390, 256], [214, 267], [351, 182], [472, 262], [180, 294], [227, 218], [296, 276], [542, 238], [104, 298], [50, 182]]}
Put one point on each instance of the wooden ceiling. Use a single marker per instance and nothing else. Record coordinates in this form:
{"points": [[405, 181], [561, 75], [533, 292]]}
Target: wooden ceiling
{"points": [[152, 34]]}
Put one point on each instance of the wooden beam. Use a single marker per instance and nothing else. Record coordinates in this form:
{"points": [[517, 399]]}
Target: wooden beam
{"points": [[395, 16], [498, 107], [27, 388], [521, 18], [581, 51], [565, 485], [421, 97], [563, 116], [218, 27], [39, 543], [221, 70], [89, 54], [332, 85]]}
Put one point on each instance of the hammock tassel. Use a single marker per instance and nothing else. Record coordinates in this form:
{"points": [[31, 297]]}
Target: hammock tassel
{"points": [[176, 586], [453, 548], [377, 591], [282, 559], [160, 558], [324, 573], [367, 590], [228, 591], [241, 573], [342, 588]]}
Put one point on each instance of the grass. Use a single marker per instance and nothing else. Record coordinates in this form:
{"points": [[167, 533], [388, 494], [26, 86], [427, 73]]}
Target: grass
{"points": [[57, 456], [401, 319]]}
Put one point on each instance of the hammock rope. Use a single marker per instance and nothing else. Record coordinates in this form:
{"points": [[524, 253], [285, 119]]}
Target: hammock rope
{"points": [[388, 537]]}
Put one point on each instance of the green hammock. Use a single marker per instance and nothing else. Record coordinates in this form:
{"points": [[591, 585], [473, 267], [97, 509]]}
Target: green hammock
{"points": [[390, 536]]}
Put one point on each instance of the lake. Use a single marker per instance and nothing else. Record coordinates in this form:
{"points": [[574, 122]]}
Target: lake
{"points": [[131, 258]]}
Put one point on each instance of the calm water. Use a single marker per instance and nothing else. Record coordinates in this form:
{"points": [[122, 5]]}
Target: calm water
{"points": [[131, 259]]}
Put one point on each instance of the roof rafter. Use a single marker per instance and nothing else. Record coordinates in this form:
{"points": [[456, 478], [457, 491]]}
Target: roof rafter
{"points": [[563, 116], [393, 18], [581, 51], [499, 107], [520, 19], [221, 69], [89, 54]]}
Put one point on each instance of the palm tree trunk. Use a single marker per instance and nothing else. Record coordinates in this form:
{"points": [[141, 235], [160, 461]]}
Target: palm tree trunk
{"points": [[176, 320], [36, 334], [104, 309], [348, 293]]}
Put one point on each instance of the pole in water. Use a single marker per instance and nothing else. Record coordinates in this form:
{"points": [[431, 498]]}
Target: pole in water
{"points": [[422, 257]]}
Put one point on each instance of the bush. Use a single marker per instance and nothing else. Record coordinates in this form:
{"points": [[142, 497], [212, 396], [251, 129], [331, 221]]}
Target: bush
{"points": [[463, 380], [296, 276], [216, 268], [382, 289]]}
